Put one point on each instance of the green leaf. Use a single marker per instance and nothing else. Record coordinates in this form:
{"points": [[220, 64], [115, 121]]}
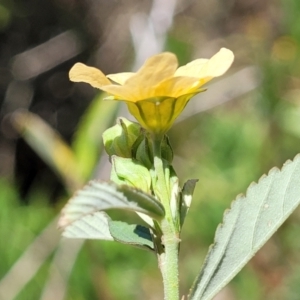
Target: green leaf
{"points": [[98, 195], [132, 234], [129, 171], [250, 222], [186, 198], [50, 146], [92, 226]]}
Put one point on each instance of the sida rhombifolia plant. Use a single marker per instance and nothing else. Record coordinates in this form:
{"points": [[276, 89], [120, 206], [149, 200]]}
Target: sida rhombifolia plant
{"points": [[143, 179]]}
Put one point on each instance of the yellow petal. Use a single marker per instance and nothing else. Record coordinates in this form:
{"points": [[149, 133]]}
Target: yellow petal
{"points": [[217, 65], [120, 78], [93, 76], [191, 69], [208, 68], [120, 92], [156, 69], [177, 86]]}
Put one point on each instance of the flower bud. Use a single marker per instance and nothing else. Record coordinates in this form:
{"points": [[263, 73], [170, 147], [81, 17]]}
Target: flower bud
{"points": [[119, 139]]}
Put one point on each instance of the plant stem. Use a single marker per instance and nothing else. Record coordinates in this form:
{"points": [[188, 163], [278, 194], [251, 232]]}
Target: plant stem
{"points": [[161, 187], [168, 250], [168, 263]]}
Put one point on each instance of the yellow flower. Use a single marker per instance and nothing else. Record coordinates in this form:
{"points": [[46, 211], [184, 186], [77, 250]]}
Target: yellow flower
{"points": [[158, 92]]}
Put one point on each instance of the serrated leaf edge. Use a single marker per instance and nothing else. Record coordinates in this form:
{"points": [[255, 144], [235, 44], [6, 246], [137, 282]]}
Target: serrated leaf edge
{"points": [[241, 197], [63, 222]]}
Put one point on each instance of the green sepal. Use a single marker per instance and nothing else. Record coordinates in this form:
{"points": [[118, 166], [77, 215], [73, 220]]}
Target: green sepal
{"points": [[119, 139], [166, 150], [129, 171], [144, 152], [186, 198], [131, 234], [175, 201]]}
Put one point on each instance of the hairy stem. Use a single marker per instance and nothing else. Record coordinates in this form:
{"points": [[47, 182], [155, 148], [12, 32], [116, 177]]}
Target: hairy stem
{"points": [[168, 251]]}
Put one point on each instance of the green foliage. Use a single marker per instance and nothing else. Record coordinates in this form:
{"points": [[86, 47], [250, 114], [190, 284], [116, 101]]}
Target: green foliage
{"points": [[25, 223], [135, 235], [102, 196], [91, 226], [235, 144], [249, 223], [129, 171]]}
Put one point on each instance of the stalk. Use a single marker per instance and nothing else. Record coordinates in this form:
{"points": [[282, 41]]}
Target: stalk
{"points": [[168, 254]]}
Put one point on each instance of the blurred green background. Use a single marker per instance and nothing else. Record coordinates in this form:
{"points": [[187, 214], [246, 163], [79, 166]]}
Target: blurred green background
{"points": [[246, 123]]}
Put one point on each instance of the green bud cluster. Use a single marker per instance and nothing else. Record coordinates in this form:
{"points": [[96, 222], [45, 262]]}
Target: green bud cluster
{"points": [[129, 140], [119, 139], [131, 153]]}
